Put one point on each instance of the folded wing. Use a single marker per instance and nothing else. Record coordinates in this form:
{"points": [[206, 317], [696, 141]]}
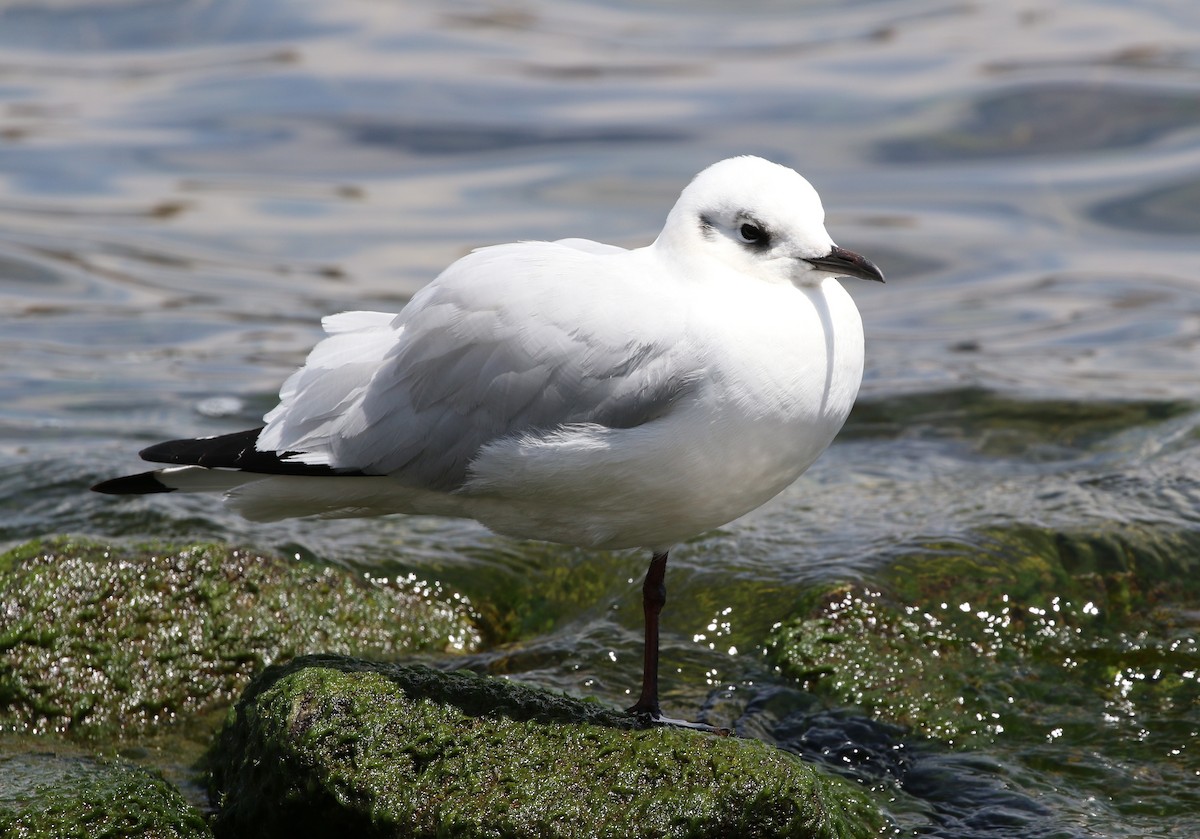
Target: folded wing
{"points": [[494, 348]]}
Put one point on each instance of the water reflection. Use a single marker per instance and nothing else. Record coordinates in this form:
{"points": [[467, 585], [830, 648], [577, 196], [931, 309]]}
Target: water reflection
{"points": [[1052, 119], [1172, 210]]}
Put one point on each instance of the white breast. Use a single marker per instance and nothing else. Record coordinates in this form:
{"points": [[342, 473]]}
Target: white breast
{"points": [[771, 400]]}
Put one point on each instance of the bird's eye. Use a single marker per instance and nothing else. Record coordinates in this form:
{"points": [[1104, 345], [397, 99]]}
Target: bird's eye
{"points": [[752, 234]]}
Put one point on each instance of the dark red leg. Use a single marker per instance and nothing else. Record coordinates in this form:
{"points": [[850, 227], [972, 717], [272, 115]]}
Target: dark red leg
{"points": [[654, 595]]}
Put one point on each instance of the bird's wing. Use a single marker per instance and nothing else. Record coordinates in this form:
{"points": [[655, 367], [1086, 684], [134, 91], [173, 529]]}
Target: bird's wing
{"points": [[588, 246], [510, 340]]}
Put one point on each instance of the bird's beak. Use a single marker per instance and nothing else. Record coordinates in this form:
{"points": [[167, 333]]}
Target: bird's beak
{"points": [[844, 263]]}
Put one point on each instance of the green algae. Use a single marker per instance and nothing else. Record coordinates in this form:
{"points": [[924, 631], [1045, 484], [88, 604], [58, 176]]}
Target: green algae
{"points": [[389, 750], [997, 425], [532, 587], [1024, 634], [1070, 660], [53, 797], [100, 639]]}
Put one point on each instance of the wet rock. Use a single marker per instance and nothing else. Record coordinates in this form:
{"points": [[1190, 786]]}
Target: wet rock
{"points": [[333, 746], [99, 639], [46, 795], [1020, 633], [932, 791]]}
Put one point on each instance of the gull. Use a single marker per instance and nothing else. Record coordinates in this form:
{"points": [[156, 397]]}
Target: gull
{"points": [[572, 391]]}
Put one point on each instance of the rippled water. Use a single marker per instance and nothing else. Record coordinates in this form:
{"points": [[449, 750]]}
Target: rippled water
{"points": [[185, 189]]}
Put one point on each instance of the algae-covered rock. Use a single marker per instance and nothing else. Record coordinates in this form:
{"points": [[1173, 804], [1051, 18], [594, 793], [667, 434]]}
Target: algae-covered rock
{"points": [[998, 425], [329, 746], [44, 795], [1024, 633], [98, 638]]}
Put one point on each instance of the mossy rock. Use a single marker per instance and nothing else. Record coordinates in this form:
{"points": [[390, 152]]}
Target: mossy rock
{"points": [[328, 746], [46, 796], [98, 639], [1022, 633]]}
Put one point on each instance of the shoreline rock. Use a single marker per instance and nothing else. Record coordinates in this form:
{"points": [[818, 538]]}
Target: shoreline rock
{"points": [[327, 745], [1023, 633], [44, 794], [101, 639]]}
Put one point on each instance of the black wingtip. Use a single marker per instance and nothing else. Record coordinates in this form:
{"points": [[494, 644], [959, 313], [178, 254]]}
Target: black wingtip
{"points": [[144, 483], [235, 451], [223, 450]]}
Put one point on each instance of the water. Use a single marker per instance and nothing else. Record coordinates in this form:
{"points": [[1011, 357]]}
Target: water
{"points": [[186, 189]]}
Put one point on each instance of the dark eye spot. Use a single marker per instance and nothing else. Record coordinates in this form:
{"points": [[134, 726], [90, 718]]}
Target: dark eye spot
{"points": [[752, 234]]}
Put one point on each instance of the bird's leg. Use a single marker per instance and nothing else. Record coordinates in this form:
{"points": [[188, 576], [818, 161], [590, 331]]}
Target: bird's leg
{"points": [[654, 595]]}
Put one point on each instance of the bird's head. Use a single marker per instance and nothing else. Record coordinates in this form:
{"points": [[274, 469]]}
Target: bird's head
{"points": [[763, 220]]}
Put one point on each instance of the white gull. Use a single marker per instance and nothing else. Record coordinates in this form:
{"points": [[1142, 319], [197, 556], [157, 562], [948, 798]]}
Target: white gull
{"points": [[572, 391]]}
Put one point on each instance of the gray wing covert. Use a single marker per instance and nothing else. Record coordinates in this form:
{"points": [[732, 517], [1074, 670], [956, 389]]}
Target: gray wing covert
{"points": [[463, 378]]}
